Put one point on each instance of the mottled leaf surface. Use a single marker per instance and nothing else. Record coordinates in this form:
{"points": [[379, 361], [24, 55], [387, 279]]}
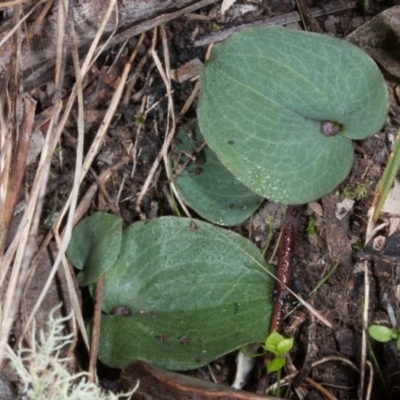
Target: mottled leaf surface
{"points": [[95, 245], [195, 292], [268, 91], [206, 186]]}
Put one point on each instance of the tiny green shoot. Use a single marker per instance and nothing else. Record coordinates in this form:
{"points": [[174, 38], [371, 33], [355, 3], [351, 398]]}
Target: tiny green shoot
{"points": [[311, 230], [47, 222], [140, 119], [384, 334], [278, 346], [57, 150], [358, 246], [215, 27], [371, 351], [269, 237]]}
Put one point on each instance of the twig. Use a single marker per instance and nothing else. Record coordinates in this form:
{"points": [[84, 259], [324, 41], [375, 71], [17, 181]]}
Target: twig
{"points": [[135, 76], [190, 99], [307, 17], [284, 271], [283, 280], [135, 17], [289, 377], [158, 21], [94, 343], [363, 330], [68, 228], [321, 389], [370, 380], [163, 153], [17, 169], [27, 244], [329, 8]]}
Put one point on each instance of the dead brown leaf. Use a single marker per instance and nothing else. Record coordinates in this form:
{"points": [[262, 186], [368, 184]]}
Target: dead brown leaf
{"points": [[173, 386]]}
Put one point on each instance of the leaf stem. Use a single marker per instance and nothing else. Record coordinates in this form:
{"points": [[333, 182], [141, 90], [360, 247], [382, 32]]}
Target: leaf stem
{"points": [[284, 273], [284, 270]]}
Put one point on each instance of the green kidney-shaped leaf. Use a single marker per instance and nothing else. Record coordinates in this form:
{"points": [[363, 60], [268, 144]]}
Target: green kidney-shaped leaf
{"points": [[275, 365], [284, 346], [95, 245], [207, 187], [265, 94], [272, 341], [195, 292], [380, 333]]}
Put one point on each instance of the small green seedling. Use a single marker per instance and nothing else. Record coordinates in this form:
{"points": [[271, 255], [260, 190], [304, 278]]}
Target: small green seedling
{"points": [[278, 346], [384, 334], [311, 230], [140, 119]]}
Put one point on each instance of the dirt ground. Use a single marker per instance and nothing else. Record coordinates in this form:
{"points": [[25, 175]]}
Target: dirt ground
{"points": [[330, 257]]}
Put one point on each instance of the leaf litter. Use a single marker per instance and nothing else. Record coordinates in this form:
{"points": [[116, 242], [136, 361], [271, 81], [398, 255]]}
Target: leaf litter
{"points": [[339, 299]]}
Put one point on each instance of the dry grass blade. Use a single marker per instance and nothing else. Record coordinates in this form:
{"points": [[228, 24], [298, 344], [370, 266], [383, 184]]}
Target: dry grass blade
{"points": [[385, 183], [321, 389], [96, 322], [190, 99], [15, 168], [290, 377], [171, 113], [370, 380], [308, 306], [79, 176], [170, 131], [10, 137], [9, 4], [364, 331], [34, 206], [196, 88], [24, 243], [17, 26]]}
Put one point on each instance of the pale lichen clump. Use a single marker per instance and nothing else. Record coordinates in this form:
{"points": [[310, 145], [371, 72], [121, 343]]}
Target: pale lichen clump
{"points": [[43, 371]]}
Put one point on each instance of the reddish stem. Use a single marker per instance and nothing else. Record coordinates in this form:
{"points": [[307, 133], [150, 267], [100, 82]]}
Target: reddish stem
{"points": [[284, 273]]}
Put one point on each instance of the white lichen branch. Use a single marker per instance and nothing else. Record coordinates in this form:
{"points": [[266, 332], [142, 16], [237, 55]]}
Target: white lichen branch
{"points": [[44, 372]]}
